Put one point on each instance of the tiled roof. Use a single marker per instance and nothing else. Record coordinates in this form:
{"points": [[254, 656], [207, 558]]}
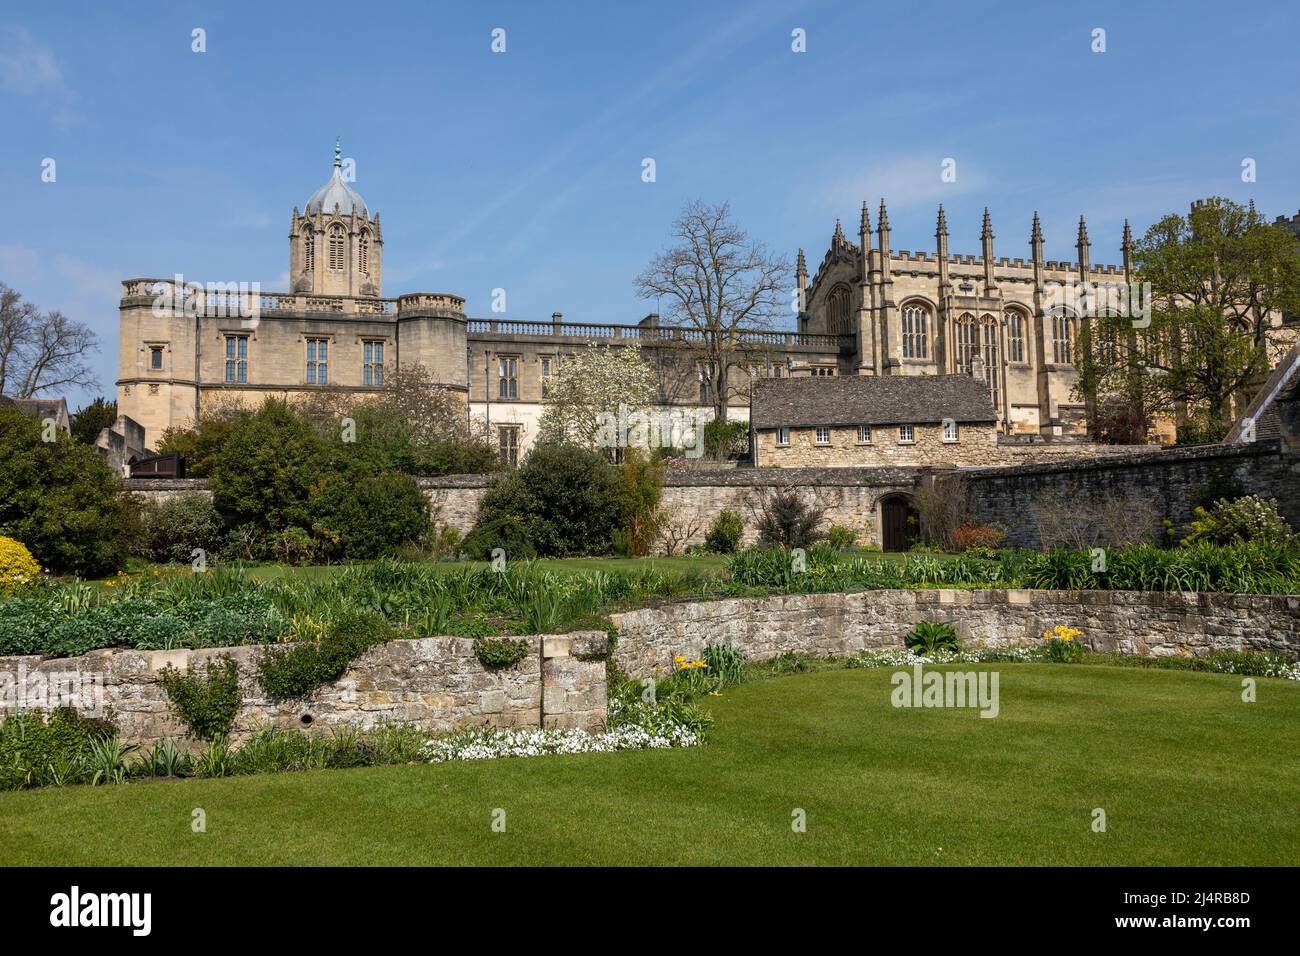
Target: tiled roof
{"points": [[870, 400]]}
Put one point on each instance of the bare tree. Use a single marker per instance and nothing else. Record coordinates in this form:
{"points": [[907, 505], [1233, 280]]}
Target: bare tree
{"points": [[41, 351], [724, 289]]}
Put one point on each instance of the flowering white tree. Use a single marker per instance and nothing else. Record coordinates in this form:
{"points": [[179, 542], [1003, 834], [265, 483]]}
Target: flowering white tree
{"points": [[592, 386]]}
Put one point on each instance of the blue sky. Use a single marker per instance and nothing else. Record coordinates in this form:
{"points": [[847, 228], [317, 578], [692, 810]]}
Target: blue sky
{"points": [[522, 170]]}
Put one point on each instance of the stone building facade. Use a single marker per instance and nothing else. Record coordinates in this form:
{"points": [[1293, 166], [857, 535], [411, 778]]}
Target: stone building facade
{"points": [[867, 311], [864, 421]]}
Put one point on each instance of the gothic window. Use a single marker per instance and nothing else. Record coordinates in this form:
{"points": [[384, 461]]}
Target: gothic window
{"points": [[978, 339], [1015, 335], [990, 357], [364, 253], [837, 311], [337, 259], [318, 361], [156, 358], [508, 377], [309, 248], [1063, 339], [916, 331]]}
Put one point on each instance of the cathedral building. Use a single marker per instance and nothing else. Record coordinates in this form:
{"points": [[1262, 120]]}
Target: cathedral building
{"points": [[869, 310]]}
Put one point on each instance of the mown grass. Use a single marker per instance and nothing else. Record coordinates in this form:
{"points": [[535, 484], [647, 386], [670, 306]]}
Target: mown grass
{"points": [[1186, 772]]}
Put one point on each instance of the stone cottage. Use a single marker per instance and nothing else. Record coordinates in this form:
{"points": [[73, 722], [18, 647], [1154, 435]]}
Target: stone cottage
{"points": [[866, 421]]}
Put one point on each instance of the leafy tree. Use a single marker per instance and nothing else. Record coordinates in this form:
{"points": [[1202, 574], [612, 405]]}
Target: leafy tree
{"points": [[266, 467], [61, 500], [641, 479], [595, 383], [90, 420], [202, 444], [1219, 278], [719, 284]]}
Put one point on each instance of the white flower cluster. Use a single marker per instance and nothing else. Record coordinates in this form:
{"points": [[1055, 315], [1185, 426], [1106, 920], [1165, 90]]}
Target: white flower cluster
{"points": [[905, 657], [490, 744]]}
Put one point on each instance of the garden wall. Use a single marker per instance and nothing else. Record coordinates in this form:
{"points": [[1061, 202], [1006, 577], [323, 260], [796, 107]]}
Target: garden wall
{"points": [[1131, 622], [435, 682], [1173, 479]]}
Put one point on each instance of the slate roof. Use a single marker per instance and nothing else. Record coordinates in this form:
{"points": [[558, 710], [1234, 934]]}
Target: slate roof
{"points": [[1262, 410], [870, 400]]}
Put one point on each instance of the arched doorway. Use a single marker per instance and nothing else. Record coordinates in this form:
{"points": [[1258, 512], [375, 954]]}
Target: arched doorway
{"points": [[900, 523]]}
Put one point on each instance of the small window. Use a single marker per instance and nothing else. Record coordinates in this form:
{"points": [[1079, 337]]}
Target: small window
{"points": [[508, 444], [864, 434], [237, 358], [550, 372], [156, 358], [318, 361], [823, 435], [372, 363], [906, 434], [783, 435], [949, 430]]}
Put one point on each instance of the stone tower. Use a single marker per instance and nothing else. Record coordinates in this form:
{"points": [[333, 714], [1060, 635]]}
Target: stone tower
{"points": [[335, 247]]}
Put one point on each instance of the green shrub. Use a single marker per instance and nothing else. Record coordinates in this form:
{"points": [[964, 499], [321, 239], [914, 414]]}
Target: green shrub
{"points": [[173, 528], [296, 671], [498, 653], [369, 516], [62, 501], [1244, 520], [840, 537], [39, 750], [724, 440], [931, 637], [561, 501], [88, 421], [106, 760], [726, 532], [787, 519], [207, 703]]}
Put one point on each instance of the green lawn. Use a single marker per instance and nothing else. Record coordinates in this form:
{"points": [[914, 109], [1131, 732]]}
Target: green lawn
{"points": [[1187, 773]]}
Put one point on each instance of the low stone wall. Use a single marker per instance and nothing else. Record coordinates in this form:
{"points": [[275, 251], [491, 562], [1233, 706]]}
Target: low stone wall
{"points": [[1131, 622], [434, 682]]}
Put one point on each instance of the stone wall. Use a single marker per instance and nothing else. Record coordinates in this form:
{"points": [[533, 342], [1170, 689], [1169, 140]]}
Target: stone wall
{"points": [[434, 682], [1172, 479], [1147, 623]]}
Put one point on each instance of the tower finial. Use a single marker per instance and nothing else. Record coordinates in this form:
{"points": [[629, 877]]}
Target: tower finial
{"points": [[338, 151], [942, 228], [1036, 233], [884, 217], [838, 237], [1128, 237], [1083, 231], [987, 231], [864, 224]]}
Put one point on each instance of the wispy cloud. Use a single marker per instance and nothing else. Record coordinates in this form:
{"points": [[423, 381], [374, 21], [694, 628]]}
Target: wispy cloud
{"points": [[902, 182], [31, 69]]}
